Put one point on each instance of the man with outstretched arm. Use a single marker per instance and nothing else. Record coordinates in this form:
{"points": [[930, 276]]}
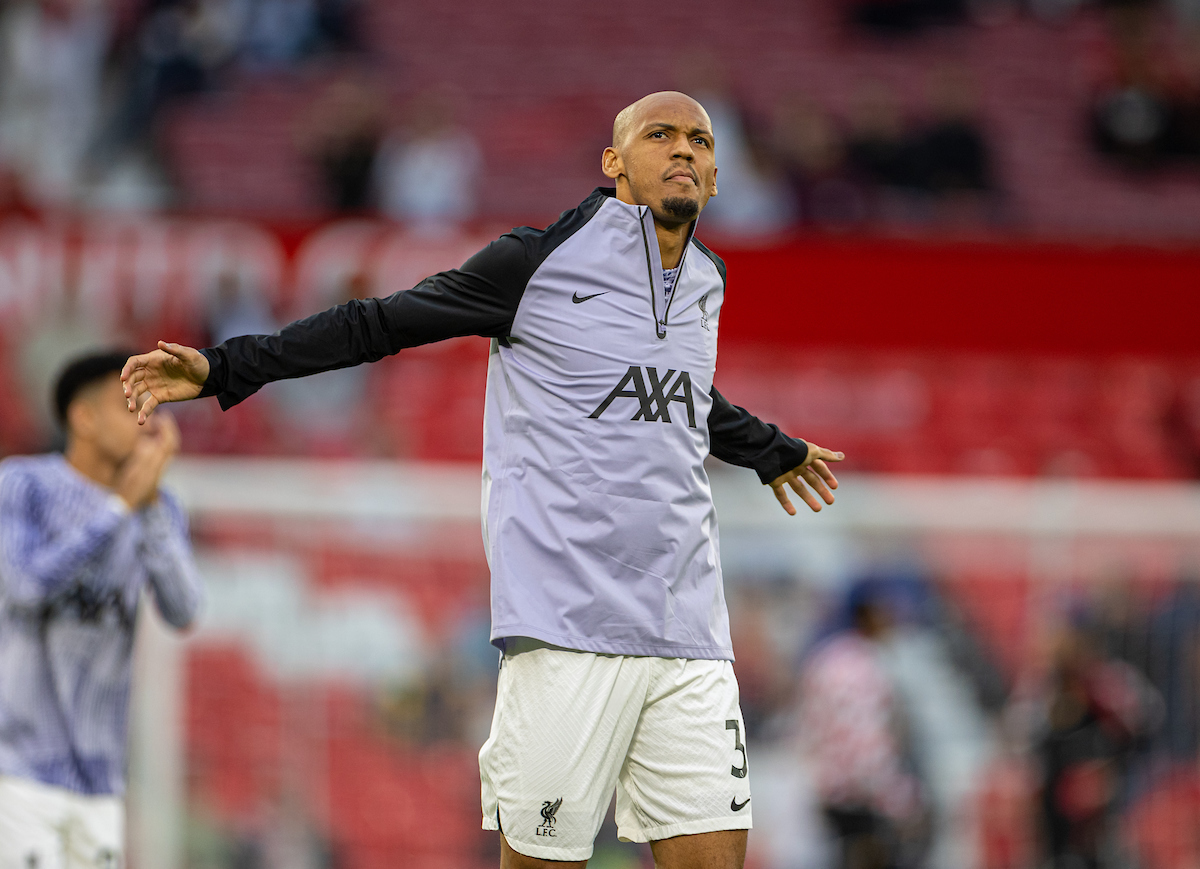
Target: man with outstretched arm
{"points": [[82, 534], [599, 526]]}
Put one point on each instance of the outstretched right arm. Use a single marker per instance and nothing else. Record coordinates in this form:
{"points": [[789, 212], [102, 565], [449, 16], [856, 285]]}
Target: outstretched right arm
{"points": [[480, 298]]}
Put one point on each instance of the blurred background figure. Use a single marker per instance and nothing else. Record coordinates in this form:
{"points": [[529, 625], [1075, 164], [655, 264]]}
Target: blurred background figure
{"points": [[52, 55], [951, 154], [236, 307], [428, 174], [752, 196], [1097, 711], [341, 136], [82, 536], [812, 154], [853, 724], [880, 150]]}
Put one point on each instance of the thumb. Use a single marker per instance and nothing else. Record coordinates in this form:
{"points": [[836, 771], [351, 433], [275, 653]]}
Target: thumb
{"points": [[175, 350]]}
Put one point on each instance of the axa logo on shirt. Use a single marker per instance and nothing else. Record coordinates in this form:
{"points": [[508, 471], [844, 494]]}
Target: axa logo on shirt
{"points": [[653, 395]]}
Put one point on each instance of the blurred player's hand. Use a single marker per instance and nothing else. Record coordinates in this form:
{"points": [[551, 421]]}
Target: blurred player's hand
{"points": [[173, 372], [139, 475], [815, 473]]}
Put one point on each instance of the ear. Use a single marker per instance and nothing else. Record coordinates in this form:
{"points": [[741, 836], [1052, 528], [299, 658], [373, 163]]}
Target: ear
{"points": [[611, 163], [714, 190]]}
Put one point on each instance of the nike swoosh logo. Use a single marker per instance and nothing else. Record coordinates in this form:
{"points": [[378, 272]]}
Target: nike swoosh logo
{"points": [[576, 298], [736, 806]]}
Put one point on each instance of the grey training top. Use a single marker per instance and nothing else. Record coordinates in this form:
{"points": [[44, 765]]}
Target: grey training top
{"points": [[599, 523]]}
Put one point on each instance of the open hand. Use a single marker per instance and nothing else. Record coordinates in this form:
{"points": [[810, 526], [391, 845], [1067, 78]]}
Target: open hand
{"points": [[815, 473], [173, 372]]}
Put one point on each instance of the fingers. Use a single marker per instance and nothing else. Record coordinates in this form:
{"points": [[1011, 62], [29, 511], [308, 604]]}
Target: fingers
{"points": [[825, 474], [135, 393], [134, 388], [806, 496], [811, 477], [815, 473], [179, 351], [147, 408], [784, 501], [131, 364]]}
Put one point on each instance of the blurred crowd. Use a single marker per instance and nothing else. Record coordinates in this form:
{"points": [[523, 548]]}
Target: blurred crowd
{"points": [[807, 165], [88, 89], [1086, 746], [1146, 112]]}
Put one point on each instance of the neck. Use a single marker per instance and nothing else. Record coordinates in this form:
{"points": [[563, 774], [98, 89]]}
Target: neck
{"points": [[85, 458], [671, 240]]}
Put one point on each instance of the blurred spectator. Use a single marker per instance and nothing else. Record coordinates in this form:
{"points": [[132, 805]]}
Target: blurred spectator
{"points": [[51, 58], [812, 154], [1185, 132], [428, 173], [66, 330], [851, 721], [878, 145], [279, 32], [236, 308], [1096, 709], [893, 18], [341, 135], [951, 156], [338, 25], [178, 50], [752, 197], [1132, 112], [765, 679]]}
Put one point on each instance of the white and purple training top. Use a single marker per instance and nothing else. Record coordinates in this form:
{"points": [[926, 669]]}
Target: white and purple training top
{"points": [[73, 562]]}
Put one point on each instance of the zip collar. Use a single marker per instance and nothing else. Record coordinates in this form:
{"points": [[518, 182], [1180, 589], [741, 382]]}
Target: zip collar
{"points": [[654, 268]]}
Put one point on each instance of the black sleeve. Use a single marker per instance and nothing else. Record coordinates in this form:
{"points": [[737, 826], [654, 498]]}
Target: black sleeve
{"points": [[480, 298], [742, 439]]}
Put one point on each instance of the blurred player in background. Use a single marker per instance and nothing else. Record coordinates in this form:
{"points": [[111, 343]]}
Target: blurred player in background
{"points": [[81, 535], [853, 727], [600, 531]]}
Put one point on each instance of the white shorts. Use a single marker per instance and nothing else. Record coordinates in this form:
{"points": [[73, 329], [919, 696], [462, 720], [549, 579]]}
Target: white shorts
{"points": [[46, 827], [570, 726]]}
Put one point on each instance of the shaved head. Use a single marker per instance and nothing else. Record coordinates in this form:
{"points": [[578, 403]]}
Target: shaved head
{"points": [[662, 156], [633, 115]]}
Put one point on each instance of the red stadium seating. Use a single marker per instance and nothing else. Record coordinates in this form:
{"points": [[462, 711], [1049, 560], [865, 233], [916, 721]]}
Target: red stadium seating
{"points": [[538, 88]]}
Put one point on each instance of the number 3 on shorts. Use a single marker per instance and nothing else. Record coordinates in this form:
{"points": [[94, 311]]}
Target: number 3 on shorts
{"points": [[732, 724]]}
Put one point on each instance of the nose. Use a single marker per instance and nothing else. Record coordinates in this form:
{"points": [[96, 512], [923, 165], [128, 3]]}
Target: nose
{"points": [[683, 149]]}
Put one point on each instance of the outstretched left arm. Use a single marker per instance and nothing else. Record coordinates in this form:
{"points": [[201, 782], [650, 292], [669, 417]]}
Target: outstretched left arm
{"points": [[740, 438]]}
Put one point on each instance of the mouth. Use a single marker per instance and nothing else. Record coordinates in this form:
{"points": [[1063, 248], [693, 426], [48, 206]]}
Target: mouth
{"points": [[683, 175]]}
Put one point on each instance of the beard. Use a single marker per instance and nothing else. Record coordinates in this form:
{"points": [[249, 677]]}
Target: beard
{"points": [[681, 207]]}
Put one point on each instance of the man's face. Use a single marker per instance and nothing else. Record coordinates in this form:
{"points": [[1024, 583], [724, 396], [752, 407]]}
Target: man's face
{"points": [[665, 158], [100, 415]]}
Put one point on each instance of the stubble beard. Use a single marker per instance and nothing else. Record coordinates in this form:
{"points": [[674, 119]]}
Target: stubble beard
{"points": [[681, 207]]}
